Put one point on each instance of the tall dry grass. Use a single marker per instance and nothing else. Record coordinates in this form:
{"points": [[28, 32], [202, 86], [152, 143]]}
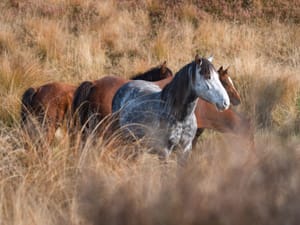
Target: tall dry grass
{"points": [[224, 181]]}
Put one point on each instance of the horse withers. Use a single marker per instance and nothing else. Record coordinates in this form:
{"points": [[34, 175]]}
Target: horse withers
{"points": [[165, 117]]}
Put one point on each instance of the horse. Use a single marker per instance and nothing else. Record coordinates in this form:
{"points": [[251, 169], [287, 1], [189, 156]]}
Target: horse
{"points": [[225, 121], [228, 121], [165, 117], [92, 99], [49, 105]]}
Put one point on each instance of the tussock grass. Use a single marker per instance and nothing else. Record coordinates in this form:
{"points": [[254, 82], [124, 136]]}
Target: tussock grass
{"points": [[105, 182]]}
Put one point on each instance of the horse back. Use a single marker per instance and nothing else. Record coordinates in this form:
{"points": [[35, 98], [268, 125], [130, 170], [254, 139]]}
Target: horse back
{"points": [[51, 99], [132, 91], [102, 94], [53, 96]]}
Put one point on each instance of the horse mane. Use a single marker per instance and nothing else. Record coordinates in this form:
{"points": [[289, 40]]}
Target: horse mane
{"points": [[145, 75], [174, 93], [206, 67], [148, 75]]}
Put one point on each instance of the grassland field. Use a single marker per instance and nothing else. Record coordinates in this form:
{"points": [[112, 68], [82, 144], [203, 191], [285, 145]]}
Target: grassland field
{"points": [[224, 181]]}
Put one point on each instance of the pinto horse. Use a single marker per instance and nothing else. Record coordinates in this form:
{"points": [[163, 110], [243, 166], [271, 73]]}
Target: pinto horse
{"points": [[165, 117], [49, 104]]}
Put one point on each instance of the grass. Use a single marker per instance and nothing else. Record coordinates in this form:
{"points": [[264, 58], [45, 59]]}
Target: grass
{"points": [[224, 182]]}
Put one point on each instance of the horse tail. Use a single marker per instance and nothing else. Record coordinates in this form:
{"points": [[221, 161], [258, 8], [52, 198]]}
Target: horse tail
{"points": [[26, 107], [80, 105]]}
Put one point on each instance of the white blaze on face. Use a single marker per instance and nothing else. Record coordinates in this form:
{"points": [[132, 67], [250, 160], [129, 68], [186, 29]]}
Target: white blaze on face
{"points": [[230, 81]]}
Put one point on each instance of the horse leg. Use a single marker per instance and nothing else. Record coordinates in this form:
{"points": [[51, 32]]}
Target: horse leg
{"points": [[50, 132], [111, 127], [74, 134], [163, 154], [197, 135], [47, 124]]}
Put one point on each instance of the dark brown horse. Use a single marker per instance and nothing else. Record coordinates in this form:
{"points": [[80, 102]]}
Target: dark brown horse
{"points": [[49, 105]]}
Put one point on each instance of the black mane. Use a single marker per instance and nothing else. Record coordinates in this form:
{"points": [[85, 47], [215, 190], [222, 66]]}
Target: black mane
{"points": [[179, 90], [153, 74], [206, 67]]}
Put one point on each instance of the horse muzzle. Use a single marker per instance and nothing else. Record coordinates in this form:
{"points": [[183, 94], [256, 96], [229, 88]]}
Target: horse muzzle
{"points": [[223, 105]]}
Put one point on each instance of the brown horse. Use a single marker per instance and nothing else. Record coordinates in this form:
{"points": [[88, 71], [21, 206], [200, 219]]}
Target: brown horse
{"points": [[49, 105], [225, 121], [94, 99]]}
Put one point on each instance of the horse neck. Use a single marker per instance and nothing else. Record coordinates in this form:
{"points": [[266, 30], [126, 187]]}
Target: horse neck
{"points": [[179, 95], [150, 75]]}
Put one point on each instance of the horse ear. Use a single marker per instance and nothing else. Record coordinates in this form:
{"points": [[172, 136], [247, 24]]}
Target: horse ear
{"points": [[226, 69], [198, 59], [164, 67], [210, 58], [221, 71]]}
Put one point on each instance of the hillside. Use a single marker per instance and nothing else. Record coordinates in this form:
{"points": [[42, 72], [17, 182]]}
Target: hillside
{"points": [[225, 181]]}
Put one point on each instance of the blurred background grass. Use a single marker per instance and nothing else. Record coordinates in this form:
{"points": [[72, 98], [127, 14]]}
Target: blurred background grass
{"points": [[76, 40]]}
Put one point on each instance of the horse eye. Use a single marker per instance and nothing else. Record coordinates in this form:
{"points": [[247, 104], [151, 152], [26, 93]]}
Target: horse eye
{"points": [[208, 86], [207, 76]]}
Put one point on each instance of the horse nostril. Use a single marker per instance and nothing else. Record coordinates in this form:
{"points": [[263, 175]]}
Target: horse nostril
{"points": [[225, 104], [220, 106]]}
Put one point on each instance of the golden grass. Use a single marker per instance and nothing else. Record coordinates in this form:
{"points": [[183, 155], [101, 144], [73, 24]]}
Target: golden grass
{"points": [[223, 183]]}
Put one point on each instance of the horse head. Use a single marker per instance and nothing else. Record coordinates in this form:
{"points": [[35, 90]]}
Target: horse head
{"points": [[226, 80], [165, 72], [207, 84]]}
